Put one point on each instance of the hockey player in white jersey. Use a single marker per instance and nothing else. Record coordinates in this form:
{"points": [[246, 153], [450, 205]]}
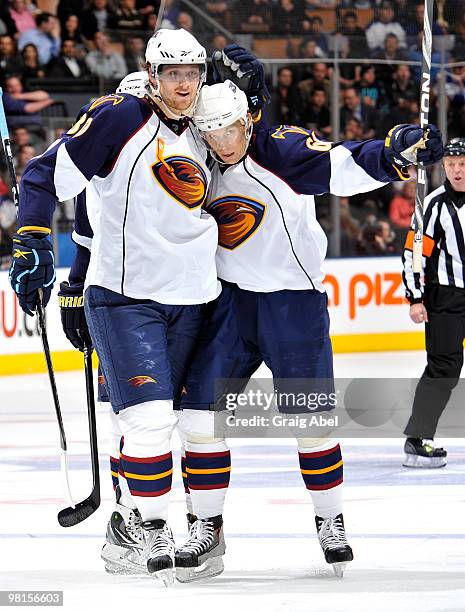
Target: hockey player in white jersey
{"points": [[273, 305], [151, 268], [124, 529]]}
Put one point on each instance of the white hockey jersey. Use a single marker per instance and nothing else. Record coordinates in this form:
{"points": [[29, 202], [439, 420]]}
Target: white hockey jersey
{"points": [[269, 237], [146, 180]]}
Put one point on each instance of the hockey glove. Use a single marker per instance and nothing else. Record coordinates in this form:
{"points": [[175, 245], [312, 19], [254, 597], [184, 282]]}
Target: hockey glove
{"points": [[242, 68], [406, 144], [73, 318], [33, 268]]}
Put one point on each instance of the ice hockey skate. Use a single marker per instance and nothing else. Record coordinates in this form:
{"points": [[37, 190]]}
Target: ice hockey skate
{"points": [[333, 541], [122, 551], [159, 550], [201, 556], [421, 453]]}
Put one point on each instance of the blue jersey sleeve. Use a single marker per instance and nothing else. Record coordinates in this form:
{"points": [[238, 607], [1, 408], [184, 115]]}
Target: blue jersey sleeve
{"points": [[88, 149], [82, 231], [312, 166]]}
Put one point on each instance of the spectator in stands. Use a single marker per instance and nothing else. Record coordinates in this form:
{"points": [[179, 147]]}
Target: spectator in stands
{"points": [[170, 14], [376, 239], [19, 137], [185, 21], [406, 111], [32, 68], [135, 54], [104, 62], [316, 114], [10, 63], [316, 33], [22, 16], [353, 130], [382, 26], [310, 50], [255, 13], [126, 17], [25, 153], [414, 26], [372, 91], [22, 107], [71, 30], [150, 24], [7, 25], [415, 54], [319, 77], [402, 206], [69, 7], [96, 18], [402, 86], [45, 37], [68, 65], [391, 52], [147, 7], [219, 10], [355, 35], [286, 102], [354, 107], [287, 16], [218, 42]]}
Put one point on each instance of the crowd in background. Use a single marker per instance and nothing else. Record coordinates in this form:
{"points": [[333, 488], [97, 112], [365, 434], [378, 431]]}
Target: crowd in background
{"points": [[103, 40]]}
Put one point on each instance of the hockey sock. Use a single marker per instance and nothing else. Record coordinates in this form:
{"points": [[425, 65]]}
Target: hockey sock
{"points": [[115, 445], [208, 468], [186, 481], [322, 470], [146, 461]]}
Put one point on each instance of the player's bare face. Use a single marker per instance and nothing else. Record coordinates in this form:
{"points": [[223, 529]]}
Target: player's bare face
{"points": [[228, 143], [455, 171], [178, 86]]}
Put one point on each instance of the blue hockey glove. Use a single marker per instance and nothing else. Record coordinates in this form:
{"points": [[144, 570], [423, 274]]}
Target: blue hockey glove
{"points": [[33, 268], [242, 68], [73, 318], [405, 144]]}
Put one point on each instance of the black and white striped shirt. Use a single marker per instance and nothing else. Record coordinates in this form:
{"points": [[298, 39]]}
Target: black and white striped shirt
{"points": [[443, 243]]}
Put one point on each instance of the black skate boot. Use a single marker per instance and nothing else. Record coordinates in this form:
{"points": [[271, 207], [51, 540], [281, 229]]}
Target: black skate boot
{"points": [[159, 550], [201, 556], [421, 453], [122, 551], [333, 541]]}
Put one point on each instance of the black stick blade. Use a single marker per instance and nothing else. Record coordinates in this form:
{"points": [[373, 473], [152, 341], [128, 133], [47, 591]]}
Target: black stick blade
{"points": [[68, 517]]}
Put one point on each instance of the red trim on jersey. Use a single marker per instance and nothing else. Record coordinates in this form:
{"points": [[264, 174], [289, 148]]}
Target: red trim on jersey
{"points": [[209, 487]]}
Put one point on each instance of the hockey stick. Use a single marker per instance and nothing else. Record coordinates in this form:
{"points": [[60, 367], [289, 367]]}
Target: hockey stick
{"points": [[40, 309], [74, 515], [424, 112]]}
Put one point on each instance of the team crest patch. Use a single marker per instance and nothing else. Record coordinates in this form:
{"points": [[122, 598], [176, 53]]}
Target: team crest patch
{"points": [[138, 381], [237, 218], [183, 179]]}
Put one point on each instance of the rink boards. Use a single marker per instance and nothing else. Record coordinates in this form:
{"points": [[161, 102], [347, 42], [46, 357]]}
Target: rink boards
{"points": [[367, 308]]}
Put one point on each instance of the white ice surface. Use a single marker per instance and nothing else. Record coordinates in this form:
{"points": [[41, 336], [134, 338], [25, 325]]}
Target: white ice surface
{"points": [[406, 527]]}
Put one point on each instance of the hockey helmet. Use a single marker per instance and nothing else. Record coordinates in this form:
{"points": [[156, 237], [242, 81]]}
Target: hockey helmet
{"points": [[455, 147], [134, 83], [220, 105]]}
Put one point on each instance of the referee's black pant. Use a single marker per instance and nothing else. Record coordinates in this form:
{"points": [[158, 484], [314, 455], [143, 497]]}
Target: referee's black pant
{"points": [[444, 334]]}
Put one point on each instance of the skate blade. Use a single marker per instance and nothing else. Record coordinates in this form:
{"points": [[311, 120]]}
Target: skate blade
{"points": [[339, 569], [417, 461], [211, 567], [117, 562], [166, 576]]}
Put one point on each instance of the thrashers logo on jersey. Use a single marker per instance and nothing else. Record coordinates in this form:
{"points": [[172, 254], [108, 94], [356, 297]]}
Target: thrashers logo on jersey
{"points": [[237, 217], [139, 381], [183, 178]]}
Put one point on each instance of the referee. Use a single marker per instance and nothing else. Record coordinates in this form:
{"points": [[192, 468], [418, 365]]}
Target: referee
{"points": [[441, 307]]}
